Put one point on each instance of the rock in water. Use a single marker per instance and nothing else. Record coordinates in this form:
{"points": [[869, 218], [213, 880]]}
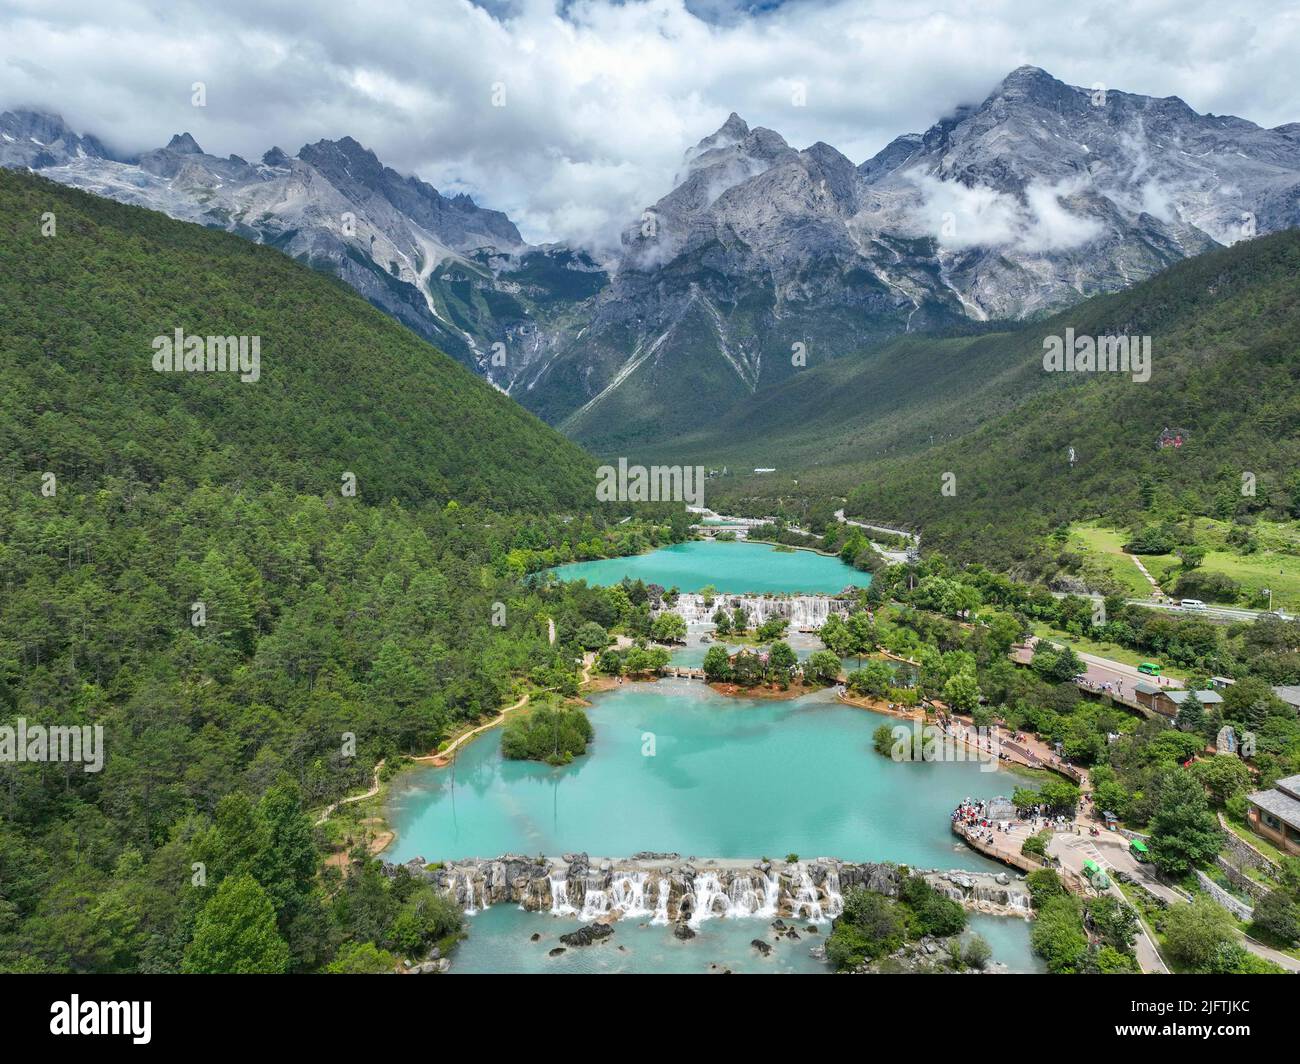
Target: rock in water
{"points": [[556, 952], [585, 936], [762, 947], [683, 930]]}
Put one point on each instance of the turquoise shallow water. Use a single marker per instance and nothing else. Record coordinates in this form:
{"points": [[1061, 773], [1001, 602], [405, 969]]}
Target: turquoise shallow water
{"points": [[500, 942], [677, 767], [733, 568], [729, 777]]}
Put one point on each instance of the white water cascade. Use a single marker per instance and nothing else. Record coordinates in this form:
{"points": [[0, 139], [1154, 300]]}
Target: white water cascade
{"points": [[807, 898], [802, 611], [771, 896], [709, 895], [628, 894], [560, 897], [595, 902], [743, 898], [469, 896], [661, 905], [834, 899]]}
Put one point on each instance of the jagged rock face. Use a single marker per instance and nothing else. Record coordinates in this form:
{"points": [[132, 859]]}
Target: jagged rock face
{"points": [[35, 140], [1038, 197], [357, 173], [456, 273], [1095, 188], [754, 251]]}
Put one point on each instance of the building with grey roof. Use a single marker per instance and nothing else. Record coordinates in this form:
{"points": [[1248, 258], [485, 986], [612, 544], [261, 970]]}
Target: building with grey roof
{"points": [[1275, 814]]}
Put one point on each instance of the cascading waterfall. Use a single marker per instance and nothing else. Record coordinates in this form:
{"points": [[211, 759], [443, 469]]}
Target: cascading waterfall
{"points": [[628, 893], [807, 898], [560, 897], [594, 903], [771, 896], [834, 899], [661, 905], [802, 611], [708, 894], [812, 890], [742, 897]]}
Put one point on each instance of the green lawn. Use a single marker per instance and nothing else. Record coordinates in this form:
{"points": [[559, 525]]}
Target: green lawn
{"points": [[1276, 564], [1104, 550]]}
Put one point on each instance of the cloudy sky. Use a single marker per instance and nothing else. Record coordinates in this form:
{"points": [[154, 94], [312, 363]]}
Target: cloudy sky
{"points": [[572, 116]]}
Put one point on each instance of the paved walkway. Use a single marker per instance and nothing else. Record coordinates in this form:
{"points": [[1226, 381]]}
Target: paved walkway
{"points": [[1156, 593]]}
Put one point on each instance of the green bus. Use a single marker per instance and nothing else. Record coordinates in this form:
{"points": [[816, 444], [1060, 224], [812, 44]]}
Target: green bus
{"points": [[1150, 668]]}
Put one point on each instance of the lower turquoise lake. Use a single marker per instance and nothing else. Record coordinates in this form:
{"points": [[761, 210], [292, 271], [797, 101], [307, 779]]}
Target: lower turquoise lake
{"points": [[733, 568], [678, 767], [727, 777]]}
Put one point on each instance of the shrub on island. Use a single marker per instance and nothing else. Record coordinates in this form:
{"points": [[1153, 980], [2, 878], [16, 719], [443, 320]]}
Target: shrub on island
{"points": [[554, 735]]}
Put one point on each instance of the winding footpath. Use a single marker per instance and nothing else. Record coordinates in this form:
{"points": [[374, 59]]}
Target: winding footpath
{"points": [[442, 755], [437, 756], [374, 789]]}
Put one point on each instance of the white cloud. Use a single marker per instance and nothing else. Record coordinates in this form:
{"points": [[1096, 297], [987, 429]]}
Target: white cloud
{"points": [[960, 216], [602, 98]]}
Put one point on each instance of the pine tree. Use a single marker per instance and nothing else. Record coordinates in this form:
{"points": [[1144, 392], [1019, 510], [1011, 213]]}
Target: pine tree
{"points": [[235, 934]]}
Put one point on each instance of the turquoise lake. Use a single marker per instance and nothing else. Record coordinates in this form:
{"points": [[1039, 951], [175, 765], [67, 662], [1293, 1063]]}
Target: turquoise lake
{"points": [[677, 767], [733, 568], [729, 777]]}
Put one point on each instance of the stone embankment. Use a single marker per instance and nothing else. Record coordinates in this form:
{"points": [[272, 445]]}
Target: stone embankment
{"points": [[669, 889]]}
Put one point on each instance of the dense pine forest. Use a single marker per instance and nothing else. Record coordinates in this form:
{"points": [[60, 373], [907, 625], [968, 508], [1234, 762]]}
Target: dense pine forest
{"points": [[251, 638]]}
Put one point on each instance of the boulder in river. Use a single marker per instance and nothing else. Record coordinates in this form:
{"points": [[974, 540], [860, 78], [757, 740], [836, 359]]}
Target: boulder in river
{"points": [[585, 936], [763, 947]]}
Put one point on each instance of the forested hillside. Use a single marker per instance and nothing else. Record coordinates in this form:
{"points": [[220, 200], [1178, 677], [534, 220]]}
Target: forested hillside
{"points": [[335, 630], [342, 387], [883, 428], [1225, 333]]}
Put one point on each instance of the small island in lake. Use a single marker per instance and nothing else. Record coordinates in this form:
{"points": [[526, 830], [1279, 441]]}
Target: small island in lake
{"points": [[554, 734]]}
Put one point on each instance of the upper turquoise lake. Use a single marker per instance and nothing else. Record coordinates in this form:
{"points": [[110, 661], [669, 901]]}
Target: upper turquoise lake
{"points": [[732, 568]]}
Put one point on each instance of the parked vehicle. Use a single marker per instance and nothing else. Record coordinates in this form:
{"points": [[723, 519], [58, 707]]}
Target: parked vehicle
{"points": [[1191, 604], [1150, 668]]}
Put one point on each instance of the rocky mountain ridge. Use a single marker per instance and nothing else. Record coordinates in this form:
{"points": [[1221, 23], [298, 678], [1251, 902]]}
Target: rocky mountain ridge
{"points": [[762, 259]]}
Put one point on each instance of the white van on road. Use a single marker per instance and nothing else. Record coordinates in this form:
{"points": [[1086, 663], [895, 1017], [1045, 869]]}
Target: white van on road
{"points": [[1191, 604]]}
